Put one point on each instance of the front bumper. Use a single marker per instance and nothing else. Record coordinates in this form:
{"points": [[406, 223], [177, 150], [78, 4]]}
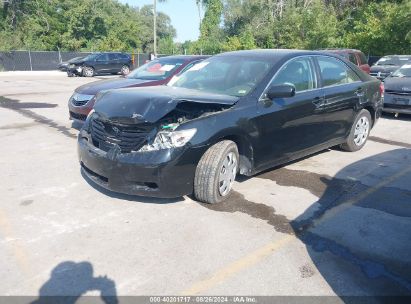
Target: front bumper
{"points": [[166, 173], [397, 103], [80, 112], [78, 70]]}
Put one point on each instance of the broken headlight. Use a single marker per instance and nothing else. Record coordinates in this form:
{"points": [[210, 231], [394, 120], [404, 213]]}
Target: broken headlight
{"points": [[169, 139]]}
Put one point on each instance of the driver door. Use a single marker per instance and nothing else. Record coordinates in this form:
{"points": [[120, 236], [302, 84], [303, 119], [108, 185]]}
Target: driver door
{"points": [[291, 127]]}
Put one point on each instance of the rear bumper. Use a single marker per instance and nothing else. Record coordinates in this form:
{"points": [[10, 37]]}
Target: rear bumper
{"points": [[164, 174], [394, 103], [397, 110]]}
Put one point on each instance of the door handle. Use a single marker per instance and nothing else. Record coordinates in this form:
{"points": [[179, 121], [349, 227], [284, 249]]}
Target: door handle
{"points": [[318, 101]]}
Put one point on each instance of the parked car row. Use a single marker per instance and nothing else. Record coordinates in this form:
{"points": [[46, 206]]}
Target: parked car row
{"points": [[234, 113]]}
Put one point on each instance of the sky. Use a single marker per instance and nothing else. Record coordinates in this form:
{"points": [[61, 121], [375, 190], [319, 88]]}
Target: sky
{"points": [[183, 14]]}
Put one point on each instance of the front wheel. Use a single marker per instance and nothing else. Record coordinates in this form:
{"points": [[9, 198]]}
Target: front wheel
{"points": [[88, 71], [216, 172], [359, 132]]}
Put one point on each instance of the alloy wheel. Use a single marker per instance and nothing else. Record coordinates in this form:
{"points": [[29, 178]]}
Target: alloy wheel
{"points": [[125, 70], [361, 131], [227, 174]]}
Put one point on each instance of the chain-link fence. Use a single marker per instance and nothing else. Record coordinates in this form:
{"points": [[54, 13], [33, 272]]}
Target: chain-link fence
{"points": [[49, 60]]}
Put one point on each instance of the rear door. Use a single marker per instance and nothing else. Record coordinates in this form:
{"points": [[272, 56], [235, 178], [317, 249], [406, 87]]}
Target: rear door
{"points": [[291, 127], [102, 64], [114, 63], [343, 91]]}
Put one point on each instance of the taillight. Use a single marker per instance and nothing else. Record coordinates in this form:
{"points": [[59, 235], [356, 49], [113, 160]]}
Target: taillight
{"points": [[382, 89]]}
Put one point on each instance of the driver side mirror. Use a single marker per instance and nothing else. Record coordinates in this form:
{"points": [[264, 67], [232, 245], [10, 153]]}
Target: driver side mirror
{"points": [[281, 91]]}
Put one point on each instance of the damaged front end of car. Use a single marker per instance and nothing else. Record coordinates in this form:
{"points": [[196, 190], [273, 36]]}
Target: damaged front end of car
{"points": [[130, 140]]}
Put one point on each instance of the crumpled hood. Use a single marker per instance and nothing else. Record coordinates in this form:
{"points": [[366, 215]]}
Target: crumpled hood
{"points": [[397, 84], [93, 88], [149, 104], [383, 68]]}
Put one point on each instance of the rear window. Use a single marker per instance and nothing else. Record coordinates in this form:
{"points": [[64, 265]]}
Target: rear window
{"points": [[363, 59], [352, 58], [157, 69]]}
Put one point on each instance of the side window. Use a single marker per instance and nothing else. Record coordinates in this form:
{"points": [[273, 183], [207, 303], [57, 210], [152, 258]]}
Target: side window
{"points": [[335, 72], [352, 58], [298, 72], [102, 57], [112, 56]]}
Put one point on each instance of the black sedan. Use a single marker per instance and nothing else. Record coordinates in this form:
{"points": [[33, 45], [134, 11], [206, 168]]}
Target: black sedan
{"points": [[238, 112], [100, 63], [397, 96]]}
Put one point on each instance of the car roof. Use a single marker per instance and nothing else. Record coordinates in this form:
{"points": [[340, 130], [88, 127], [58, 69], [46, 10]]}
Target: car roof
{"points": [[185, 57], [397, 56], [273, 54], [337, 50]]}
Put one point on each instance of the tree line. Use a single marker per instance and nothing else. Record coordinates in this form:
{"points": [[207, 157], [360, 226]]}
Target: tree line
{"points": [[375, 27], [86, 25]]}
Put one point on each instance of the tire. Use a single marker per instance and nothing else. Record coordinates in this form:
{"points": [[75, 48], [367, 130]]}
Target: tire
{"points": [[359, 132], [125, 69], [88, 71], [208, 187]]}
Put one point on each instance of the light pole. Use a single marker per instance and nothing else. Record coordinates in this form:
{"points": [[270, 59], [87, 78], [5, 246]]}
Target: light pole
{"points": [[155, 27]]}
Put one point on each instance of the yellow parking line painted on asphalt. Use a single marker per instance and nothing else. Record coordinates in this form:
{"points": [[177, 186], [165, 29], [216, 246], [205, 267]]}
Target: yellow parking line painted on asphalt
{"points": [[18, 251], [238, 265], [259, 254]]}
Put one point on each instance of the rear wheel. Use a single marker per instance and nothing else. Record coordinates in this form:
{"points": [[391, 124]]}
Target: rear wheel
{"points": [[359, 132], [88, 71], [216, 172], [125, 70]]}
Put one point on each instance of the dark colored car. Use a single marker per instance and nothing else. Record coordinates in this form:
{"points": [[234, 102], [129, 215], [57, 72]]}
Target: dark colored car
{"points": [[397, 95], [355, 56], [62, 66], [388, 64], [243, 111], [153, 73], [101, 63]]}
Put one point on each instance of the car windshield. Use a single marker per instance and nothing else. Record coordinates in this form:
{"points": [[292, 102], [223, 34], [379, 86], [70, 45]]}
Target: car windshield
{"points": [[404, 71], [393, 61], [230, 75], [157, 69]]}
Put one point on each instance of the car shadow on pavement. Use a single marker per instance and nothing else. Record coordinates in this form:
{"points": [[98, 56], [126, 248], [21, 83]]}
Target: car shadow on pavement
{"points": [[23, 109], [132, 198], [357, 234], [70, 280]]}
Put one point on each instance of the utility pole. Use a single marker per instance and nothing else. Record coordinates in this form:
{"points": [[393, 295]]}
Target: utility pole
{"points": [[155, 26]]}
